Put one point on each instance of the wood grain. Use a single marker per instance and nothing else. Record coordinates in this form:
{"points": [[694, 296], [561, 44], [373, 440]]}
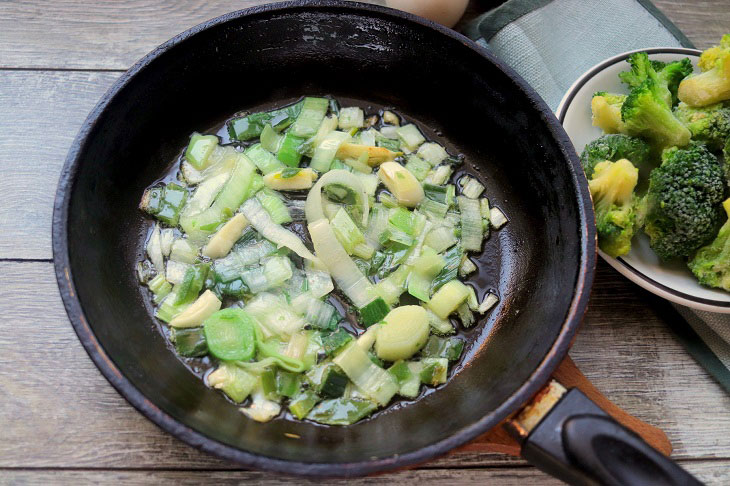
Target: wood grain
{"points": [[704, 22]]}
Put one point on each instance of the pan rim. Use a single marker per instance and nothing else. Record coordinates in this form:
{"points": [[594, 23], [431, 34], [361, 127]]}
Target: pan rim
{"points": [[114, 375]]}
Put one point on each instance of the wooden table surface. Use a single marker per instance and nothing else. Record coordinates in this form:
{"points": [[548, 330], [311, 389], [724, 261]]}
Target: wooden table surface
{"points": [[61, 422]]}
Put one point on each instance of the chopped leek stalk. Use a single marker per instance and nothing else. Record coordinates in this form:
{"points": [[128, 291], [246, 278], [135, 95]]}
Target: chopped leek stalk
{"points": [[262, 222], [319, 282], [401, 183], [192, 284], [441, 238], [433, 208], [167, 237], [360, 165], [329, 125], [403, 334], [325, 151], [425, 268], [432, 153], [391, 288], [275, 315], [224, 239], [351, 117], [410, 136], [164, 202], [271, 141], [302, 403], [319, 314], [466, 267], [194, 315], [332, 381], [465, 315], [341, 411], [439, 175], [434, 371], [274, 205], [160, 287], [310, 118], [291, 149], [199, 149], [368, 137], [265, 161], [375, 155], [418, 167], [390, 143], [338, 177], [484, 208], [233, 380], [175, 272], [189, 342], [372, 380], [336, 341], [346, 231], [448, 298], [449, 348], [363, 250], [261, 408], [471, 223], [251, 126], [470, 187], [183, 251], [374, 312], [369, 183], [154, 250], [440, 327], [349, 278], [472, 301], [497, 218], [489, 301]]}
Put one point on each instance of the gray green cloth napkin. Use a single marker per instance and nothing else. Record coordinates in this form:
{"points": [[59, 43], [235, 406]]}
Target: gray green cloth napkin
{"points": [[551, 43]]}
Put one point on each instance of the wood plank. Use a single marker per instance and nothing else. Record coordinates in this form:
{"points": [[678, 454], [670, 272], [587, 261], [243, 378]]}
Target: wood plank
{"points": [[42, 112], [87, 424], [709, 472], [72, 34]]}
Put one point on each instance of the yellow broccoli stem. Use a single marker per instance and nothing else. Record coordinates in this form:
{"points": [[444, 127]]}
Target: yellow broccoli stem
{"points": [[709, 87]]}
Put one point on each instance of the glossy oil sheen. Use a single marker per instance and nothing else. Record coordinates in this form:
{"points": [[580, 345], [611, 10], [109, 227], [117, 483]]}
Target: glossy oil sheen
{"points": [[541, 263]]}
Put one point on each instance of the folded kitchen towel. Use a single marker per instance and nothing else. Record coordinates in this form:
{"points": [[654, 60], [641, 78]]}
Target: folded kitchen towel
{"points": [[551, 43]]}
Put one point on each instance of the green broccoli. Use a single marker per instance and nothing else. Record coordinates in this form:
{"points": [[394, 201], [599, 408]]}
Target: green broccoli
{"points": [[606, 110], [667, 75], [645, 113], [709, 124], [681, 204], [713, 84], [726, 157], [612, 188], [711, 263], [614, 147]]}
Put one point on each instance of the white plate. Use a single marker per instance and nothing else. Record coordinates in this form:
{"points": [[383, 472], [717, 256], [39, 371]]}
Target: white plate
{"points": [[672, 281]]}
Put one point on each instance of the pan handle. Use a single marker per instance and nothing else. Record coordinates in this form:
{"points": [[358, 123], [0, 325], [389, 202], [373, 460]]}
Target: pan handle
{"points": [[582, 445]]}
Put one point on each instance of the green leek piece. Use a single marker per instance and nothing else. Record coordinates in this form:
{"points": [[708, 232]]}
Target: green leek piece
{"points": [[270, 349], [264, 160], [346, 231], [311, 116], [192, 283], [471, 223], [410, 136], [432, 153], [403, 334], [440, 327], [301, 404], [374, 312], [394, 238], [400, 371], [199, 149], [411, 387], [270, 140], [418, 167], [234, 381], [372, 380], [236, 289], [160, 287], [272, 203], [402, 219], [324, 153], [336, 341], [351, 117], [230, 335], [251, 126], [434, 208], [167, 309], [451, 269], [341, 411], [441, 238], [287, 383], [189, 342], [426, 267], [391, 144], [332, 382], [450, 296], [437, 347], [470, 187], [165, 202], [435, 371], [267, 384], [291, 149], [388, 200], [465, 314]]}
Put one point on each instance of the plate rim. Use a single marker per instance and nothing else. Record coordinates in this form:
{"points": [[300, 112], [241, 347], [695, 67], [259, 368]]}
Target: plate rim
{"points": [[619, 264]]}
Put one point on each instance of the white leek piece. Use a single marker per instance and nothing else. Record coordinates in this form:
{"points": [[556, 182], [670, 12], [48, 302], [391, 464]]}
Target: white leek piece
{"points": [[403, 334], [371, 379], [154, 250], [204, 307], [314, 209]]}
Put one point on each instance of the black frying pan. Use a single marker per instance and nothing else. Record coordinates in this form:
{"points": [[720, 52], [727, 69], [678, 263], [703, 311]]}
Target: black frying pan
{"points": [[541, 263]]}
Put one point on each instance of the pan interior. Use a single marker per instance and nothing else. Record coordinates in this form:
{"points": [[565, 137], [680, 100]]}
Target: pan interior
{"points": [[460, 98]]}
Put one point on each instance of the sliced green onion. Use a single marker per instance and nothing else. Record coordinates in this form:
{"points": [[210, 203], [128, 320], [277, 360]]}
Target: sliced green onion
{"points": [[391, 288], [290, 150], [377, 224], [425, 268], [251, 126], [439, 175], [164, 202], [230, 335], [374, 312], [160, 287], [234, 381], [302, 403], [471, 223], [433, 208], [341, 411]]}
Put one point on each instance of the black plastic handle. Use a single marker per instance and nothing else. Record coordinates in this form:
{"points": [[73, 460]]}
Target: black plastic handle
{"points": [[582, 445]]}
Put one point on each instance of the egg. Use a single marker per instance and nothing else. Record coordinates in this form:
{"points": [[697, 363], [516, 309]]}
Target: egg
{"points": [[446, 12]]}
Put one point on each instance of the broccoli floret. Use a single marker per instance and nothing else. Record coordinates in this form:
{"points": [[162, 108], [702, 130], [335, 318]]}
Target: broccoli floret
{"points": [[606, 109], [713, 84], [681, 204], [615, 147], [666, 75], [645, 113], [711, 263], [709, 124], [612, 188], [726, 157]]}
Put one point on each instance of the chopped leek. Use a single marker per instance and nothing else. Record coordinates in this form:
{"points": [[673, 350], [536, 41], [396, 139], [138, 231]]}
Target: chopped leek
{"points": [[325, 151], [346, 231], [189, 342], [471, 188], [374, 381], [432, 153], [274, 205], [251, 126], [403, 334], [489, 301], [230, 335], [410, 136], [310, 117], [418, 167], [199, 149], [341, 411], [265, 161], [471, 223], [497, 218], [401, 183], [448, 298], [234, 381], [165, 202], [351, 117], [291, 149]]}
